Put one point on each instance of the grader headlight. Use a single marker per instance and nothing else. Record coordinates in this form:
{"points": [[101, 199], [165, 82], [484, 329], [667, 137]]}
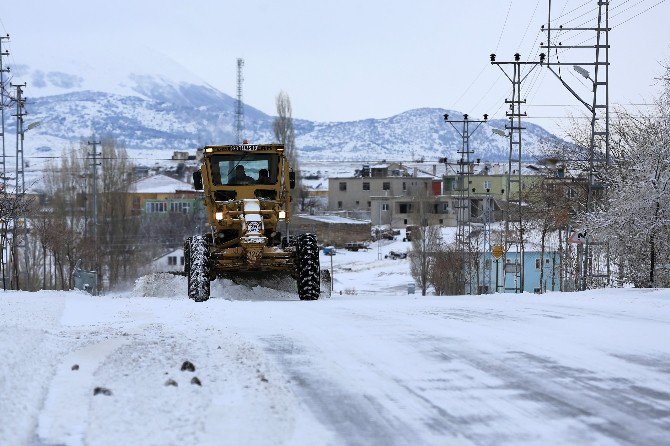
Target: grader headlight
{"points": [[282, 215], [219, 216]]}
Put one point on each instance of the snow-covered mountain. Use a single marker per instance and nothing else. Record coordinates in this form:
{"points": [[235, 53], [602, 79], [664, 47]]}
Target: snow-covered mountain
{"points": [[147, 101]]}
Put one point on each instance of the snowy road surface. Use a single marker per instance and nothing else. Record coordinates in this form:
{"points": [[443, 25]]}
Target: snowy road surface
{"points": [[587, 368]]}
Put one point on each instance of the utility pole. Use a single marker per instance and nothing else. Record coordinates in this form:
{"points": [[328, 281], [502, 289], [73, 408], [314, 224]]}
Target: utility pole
{"points": [[592, 272], [463, 201], [95, 165], [487, 217], [4, 224], [20, 185], [239, 109], [513, 213]]}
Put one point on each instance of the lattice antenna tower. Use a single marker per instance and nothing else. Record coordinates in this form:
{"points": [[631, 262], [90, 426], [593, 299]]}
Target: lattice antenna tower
{"points": [[463, 217], [239, 109], [513, 215], [595, 261]]}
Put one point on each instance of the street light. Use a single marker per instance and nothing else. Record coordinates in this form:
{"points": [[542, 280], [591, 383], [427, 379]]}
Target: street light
{"points": [[33, 125], [581, 71]]}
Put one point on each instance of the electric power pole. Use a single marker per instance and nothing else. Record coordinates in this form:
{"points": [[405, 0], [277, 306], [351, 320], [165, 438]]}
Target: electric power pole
{"points": [[3, 224], [239, 109], [487, 217], [20, 186], [94, 165], [513, 237], [3, 88], [463, 201], [592, 271]]}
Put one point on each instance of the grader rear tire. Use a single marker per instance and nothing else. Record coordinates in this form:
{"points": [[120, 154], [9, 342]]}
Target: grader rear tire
{"points": [[198, 270], [308, 267]]}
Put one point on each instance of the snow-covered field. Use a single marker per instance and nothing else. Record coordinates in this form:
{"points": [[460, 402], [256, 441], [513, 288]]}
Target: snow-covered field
{"points": [[370, 366]]}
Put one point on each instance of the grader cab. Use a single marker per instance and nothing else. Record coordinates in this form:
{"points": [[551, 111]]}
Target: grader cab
{"points": [[248, 204]]}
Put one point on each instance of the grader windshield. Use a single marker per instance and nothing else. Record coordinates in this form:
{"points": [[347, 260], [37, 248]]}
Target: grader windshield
{"points": [[244, 169]]}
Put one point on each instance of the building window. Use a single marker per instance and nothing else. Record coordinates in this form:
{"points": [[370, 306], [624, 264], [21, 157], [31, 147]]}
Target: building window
{"points": [[385, 207], [339, 205], [537, 264], [405, 208], [181, 207], [181, 259], [172, 260], [343, 186], [153, 207], [445, 206], [366, 186], [405, 221], [136, 202], [441, 221], [487, 186], [357, 202], [404, 186], [369, 204], [386, 185]]}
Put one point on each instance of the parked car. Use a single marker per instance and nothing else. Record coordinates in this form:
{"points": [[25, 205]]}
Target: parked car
{"points": [[386, 234], [355, 246], [395, 255]]}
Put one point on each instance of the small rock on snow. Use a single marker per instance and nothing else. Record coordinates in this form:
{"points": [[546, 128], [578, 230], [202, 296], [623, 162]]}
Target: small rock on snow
{"points": [[187, 366], [75, 367], [195, 380], [102, 390], [171, 382]]}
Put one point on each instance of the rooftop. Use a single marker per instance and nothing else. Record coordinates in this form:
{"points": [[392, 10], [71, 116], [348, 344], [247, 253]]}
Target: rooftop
{"points": [[160, 184]]}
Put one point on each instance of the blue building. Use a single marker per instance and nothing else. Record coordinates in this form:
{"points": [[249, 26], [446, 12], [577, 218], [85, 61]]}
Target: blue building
{"points": [[533, 266]]}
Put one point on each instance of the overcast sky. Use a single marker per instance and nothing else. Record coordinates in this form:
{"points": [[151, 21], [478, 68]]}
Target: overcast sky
{"points": [[346, 60]]}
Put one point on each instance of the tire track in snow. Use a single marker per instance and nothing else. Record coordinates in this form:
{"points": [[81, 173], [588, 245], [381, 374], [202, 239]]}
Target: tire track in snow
{"points": [[64, 415], [356, 418]]}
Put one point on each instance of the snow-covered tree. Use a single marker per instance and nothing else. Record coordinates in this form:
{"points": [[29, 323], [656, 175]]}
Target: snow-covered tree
{"points": [[635, 218]]}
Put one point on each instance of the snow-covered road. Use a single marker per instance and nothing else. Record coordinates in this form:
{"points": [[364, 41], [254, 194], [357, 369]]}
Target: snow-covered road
{"points": [[586, 368]]}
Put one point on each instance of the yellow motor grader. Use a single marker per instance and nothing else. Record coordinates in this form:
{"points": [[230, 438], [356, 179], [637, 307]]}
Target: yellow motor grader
{"points": [[248, 204]]}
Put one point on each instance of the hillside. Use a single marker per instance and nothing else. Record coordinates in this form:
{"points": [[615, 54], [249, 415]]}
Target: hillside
{"points": [[149, 102]]}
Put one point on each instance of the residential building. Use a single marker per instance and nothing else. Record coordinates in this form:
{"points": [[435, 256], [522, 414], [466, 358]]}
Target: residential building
{"points": [[488, 180], [172, 261], [390, 194], [160, 194]]}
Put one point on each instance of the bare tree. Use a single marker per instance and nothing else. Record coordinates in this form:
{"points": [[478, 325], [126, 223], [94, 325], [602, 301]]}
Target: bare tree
{"points": [[285, 134], [13, 206], [65, 228], [425, 243], [447, 275]]}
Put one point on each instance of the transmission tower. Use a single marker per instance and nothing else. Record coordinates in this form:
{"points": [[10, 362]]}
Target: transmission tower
{"points": [[3, 89], [20, 185], [513, 236], [487, 210], [239, 109], [595, 261], [463, 184], [3, 104]]}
